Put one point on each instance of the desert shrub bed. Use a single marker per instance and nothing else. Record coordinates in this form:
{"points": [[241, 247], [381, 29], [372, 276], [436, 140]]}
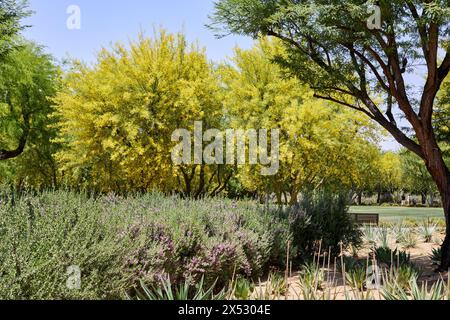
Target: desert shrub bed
{"points": [[152, 246], [120, 242], [123, 244]]}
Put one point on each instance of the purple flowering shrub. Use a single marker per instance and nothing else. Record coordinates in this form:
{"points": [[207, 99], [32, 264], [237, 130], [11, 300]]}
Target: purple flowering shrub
{"points": [[210, 239]]}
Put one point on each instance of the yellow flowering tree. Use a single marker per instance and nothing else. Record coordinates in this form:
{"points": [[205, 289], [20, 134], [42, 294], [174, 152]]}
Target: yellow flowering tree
{"points": [[319, 144], [116, 118]]}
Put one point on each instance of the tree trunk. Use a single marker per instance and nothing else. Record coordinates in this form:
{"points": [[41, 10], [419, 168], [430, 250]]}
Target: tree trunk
{"points": [[294, 198], [379, 197], [441, 176], [431, 200], [445, 264], [188, 181], [279, 196], [360, 198], [424, 198], [201, 184]]}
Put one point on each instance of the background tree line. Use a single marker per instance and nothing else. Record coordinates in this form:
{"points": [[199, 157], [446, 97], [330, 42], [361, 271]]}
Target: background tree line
{"points": [[107, 127]]}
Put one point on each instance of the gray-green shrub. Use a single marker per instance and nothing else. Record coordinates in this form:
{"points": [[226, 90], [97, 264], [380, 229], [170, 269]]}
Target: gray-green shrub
{"points": [[120, 242]]}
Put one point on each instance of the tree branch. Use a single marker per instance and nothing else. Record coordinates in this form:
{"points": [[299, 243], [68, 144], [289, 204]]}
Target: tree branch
{"points": [[9, 154], [328, 98]]}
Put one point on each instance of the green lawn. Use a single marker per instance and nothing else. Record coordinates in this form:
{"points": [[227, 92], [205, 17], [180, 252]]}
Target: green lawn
{"points": [[399, 213]]}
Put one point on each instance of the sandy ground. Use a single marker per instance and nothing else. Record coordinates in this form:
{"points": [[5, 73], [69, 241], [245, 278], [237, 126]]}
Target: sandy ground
{"points": [[335, 288]]}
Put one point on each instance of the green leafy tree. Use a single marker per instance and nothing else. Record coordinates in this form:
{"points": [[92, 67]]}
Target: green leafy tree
{"points": [[336, 48], [366, 172], [11, 13], [415, 176], [320, 145], [442, 119], [390, 175], [28, 79]]}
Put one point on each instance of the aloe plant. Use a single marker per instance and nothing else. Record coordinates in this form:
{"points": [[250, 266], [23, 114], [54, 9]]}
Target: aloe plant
{"points": [[312, 275], [356, 278], [311, 281], [274, 288], [279, 284], [243, 289]]}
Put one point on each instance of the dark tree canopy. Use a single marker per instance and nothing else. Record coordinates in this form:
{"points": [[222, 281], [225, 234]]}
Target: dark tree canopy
{"points": [[334, 47]]}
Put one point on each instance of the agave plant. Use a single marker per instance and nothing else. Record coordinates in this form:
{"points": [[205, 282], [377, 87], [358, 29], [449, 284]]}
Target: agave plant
{"points": [[400, 230], [183, 292], [393, 291], [427, 230], [391, 257], [312, 275], [370, 235], [435, 293], [402, 275], [409, 240], [398, 227], [436, 256], [383, 237]]}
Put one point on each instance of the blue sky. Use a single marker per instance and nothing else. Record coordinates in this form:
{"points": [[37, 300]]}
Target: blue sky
{"points": [[104, 22]]}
